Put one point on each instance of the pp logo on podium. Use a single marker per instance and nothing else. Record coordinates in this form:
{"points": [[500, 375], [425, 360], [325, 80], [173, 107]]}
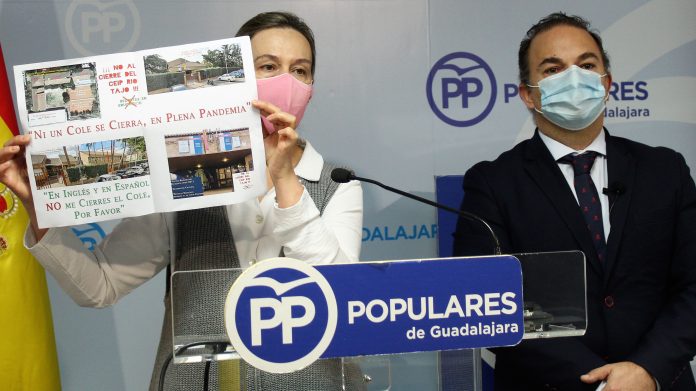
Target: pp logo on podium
{"points": [[281, 315]]}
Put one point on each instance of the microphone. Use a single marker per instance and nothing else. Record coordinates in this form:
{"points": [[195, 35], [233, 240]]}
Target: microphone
{"points": [[614, 190], [342, 175]]}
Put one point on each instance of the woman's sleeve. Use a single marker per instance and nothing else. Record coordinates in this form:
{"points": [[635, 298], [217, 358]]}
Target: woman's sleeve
{"points": [[135, 251], [335, 236]]}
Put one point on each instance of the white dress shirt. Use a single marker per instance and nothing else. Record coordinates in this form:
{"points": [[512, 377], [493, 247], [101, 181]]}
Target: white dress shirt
{"points": [[598, 173]]}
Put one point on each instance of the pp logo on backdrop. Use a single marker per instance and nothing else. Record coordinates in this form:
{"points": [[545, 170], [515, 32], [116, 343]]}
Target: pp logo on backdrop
{"points": [[281, 315], [92, 25], [461, 89]]}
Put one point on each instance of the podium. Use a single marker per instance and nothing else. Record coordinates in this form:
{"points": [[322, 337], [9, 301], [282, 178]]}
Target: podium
{"points": [[552, 304]]}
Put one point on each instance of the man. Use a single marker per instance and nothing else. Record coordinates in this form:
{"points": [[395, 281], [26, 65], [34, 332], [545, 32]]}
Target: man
{"points": [[546, 194]]}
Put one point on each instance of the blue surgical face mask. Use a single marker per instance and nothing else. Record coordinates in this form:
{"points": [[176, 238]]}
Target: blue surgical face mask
{"points": [[572, 99]]}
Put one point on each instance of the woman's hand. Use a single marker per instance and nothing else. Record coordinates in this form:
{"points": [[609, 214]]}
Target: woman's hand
{"points": [[13, 167], [282, 153], [13, 173]]}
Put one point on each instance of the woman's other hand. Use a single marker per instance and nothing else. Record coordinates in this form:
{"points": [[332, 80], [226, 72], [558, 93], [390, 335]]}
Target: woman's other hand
{"points": [[282, 153]]}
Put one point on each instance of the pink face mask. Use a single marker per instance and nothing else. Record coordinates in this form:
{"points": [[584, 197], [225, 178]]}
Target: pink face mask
{"points": [[286, 92]]}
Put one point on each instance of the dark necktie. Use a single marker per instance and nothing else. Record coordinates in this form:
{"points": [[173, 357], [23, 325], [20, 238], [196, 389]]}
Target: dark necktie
{"points": [[588, 198]]}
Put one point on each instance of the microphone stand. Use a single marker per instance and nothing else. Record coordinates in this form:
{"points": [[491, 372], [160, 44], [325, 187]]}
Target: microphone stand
{"points": [[470, 216]]}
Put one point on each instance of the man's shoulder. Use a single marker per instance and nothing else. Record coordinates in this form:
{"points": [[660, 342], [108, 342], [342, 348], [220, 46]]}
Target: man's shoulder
{"points": [[641, 151], [506, 160], [530, 148]]}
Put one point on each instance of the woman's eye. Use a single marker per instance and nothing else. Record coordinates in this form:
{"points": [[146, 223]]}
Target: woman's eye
{"points": [[267, 67]]}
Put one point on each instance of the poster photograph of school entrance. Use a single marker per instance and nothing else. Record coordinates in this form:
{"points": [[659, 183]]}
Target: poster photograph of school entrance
{"points": [[100, 161], [178, 69], [209, 162]]}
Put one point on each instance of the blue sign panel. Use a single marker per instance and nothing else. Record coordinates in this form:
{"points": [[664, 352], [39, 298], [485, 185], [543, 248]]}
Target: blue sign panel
{"points": [[187, 187], [448, 189], [198, 145], [228, 142], [281, 315]]}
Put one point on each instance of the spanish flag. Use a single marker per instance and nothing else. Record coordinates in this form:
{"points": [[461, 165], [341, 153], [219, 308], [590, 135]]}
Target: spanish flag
{"points": [[28, 358]]}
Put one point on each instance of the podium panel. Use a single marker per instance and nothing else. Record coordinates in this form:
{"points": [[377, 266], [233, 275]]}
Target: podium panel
{"points": [[554, 294], [551, 304], [198, 323]]}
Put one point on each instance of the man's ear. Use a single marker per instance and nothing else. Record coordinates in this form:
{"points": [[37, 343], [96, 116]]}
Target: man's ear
{"points": [[609, 80], [526, 95]]}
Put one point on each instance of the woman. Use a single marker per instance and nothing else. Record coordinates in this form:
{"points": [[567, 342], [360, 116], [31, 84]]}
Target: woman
{"points": [[303, 215]]}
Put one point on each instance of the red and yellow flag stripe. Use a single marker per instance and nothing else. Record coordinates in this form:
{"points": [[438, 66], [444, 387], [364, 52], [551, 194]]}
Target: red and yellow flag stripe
{"points": [[28, 358]]}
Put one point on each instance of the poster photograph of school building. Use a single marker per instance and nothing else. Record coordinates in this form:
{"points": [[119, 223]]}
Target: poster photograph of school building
{"points": [[60, 94], [99, 161], [208, 162], [174, 69]]}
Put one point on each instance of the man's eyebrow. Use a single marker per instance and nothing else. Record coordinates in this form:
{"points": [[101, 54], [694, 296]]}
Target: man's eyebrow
{"points": [[550, 60], [553, 60], [587, 55]]}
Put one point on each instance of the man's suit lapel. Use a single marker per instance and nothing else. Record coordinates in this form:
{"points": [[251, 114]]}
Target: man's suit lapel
{"points": [[545, 172], [621, 168]]}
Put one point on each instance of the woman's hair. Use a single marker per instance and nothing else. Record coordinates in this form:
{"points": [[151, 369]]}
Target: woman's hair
{"points": [[277, 19]]}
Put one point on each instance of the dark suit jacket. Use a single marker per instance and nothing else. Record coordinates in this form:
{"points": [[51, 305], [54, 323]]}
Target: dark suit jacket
{"points": [[641, 303]]}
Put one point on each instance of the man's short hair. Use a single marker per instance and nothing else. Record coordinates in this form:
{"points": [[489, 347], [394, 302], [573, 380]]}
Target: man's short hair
{"points": [[545, 24], [268, 20]]}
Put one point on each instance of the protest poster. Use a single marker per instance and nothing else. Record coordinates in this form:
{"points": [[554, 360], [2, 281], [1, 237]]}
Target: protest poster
{"points": [[129, 134]]}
